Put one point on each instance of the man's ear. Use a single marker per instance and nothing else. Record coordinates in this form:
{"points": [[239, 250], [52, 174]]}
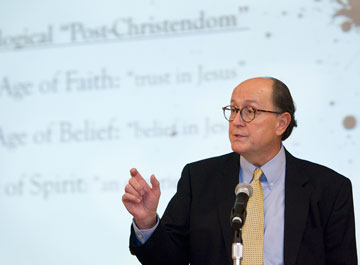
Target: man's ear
{"points": [[284, 120]]}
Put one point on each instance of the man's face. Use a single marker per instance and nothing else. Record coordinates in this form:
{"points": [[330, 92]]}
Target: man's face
{"points": [[259, 140]]}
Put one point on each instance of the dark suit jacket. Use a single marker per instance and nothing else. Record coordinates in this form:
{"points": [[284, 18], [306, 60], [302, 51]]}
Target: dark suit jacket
{"points": [[195, 228]]}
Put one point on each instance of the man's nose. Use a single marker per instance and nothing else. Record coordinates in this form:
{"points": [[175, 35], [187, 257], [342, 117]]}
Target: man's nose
{"points": [[238, 120]]}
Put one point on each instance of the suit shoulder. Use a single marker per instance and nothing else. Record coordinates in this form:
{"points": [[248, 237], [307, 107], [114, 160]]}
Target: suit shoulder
{"points": [[317, 171], [214, 161], [212, 166]]}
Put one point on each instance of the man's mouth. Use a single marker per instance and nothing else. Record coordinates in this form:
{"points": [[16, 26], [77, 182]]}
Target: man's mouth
{"points": [[238, 135]]}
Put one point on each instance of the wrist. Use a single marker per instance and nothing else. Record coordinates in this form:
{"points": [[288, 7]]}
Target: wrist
{"points": [[146, 223]]}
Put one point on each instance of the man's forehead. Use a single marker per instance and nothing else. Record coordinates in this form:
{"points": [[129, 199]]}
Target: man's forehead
{"points": [[253, 91], [257, 83]]}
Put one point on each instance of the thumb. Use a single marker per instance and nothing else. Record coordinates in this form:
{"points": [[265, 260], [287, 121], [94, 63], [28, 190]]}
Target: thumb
{"points": [[155, 185]]}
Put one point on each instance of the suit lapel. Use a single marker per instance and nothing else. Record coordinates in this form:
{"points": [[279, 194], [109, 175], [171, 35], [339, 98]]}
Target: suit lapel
{"points": [[297, 197], [226, 183]]}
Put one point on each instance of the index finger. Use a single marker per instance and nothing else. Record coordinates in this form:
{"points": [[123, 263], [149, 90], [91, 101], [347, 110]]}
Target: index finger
{"points": [[135, 174]]}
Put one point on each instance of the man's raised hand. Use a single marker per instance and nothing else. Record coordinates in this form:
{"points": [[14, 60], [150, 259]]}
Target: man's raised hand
{"points": [[141, 200]]}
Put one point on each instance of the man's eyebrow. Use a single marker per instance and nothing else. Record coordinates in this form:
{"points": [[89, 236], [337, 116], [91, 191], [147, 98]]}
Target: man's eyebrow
{"points": [[246, 102]]}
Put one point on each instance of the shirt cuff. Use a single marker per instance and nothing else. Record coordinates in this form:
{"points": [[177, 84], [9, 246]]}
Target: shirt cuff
{"points": [[142, 235]]}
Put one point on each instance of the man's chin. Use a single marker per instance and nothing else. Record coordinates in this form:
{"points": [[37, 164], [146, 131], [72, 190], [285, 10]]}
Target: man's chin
{"points": [[238, 148]]}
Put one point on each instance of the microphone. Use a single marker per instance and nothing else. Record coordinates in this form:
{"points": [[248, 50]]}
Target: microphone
{"points": [[243, 192]]}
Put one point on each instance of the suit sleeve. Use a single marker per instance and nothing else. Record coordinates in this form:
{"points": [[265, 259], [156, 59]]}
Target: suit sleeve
{"points": [[169, 243], [340, 241]]}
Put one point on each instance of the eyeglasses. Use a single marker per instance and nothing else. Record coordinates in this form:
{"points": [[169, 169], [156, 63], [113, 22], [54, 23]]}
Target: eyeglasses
{"points": [[247, 113]]}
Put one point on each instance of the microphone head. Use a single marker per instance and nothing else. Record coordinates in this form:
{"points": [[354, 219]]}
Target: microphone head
{"points": [[245, 188]]}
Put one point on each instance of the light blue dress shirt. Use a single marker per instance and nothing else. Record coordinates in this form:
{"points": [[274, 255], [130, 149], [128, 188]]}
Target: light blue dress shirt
{"points": [[142, 235], [273, 185]]}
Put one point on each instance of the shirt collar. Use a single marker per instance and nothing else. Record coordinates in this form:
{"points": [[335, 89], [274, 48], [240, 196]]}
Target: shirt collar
{"points": [[272, 169]]}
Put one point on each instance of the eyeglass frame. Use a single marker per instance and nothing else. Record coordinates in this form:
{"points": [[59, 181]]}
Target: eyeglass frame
{"points": [[241, 110]]}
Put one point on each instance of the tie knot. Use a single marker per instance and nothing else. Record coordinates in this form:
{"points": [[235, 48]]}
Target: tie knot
{"points": [[257, 173]]}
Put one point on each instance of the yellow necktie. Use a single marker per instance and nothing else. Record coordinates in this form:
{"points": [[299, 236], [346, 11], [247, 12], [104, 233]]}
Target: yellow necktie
{"points": [[253, 230]]}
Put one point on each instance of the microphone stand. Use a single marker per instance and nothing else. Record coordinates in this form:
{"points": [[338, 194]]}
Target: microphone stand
{"points": [[237, 247]]}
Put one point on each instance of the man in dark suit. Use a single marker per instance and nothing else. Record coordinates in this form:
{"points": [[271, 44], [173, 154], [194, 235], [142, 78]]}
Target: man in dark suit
{"points": [[308, 208]]}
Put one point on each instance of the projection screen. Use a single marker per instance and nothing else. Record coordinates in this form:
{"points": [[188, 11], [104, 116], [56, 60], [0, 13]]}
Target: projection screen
{"points": [[90, 89]]}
